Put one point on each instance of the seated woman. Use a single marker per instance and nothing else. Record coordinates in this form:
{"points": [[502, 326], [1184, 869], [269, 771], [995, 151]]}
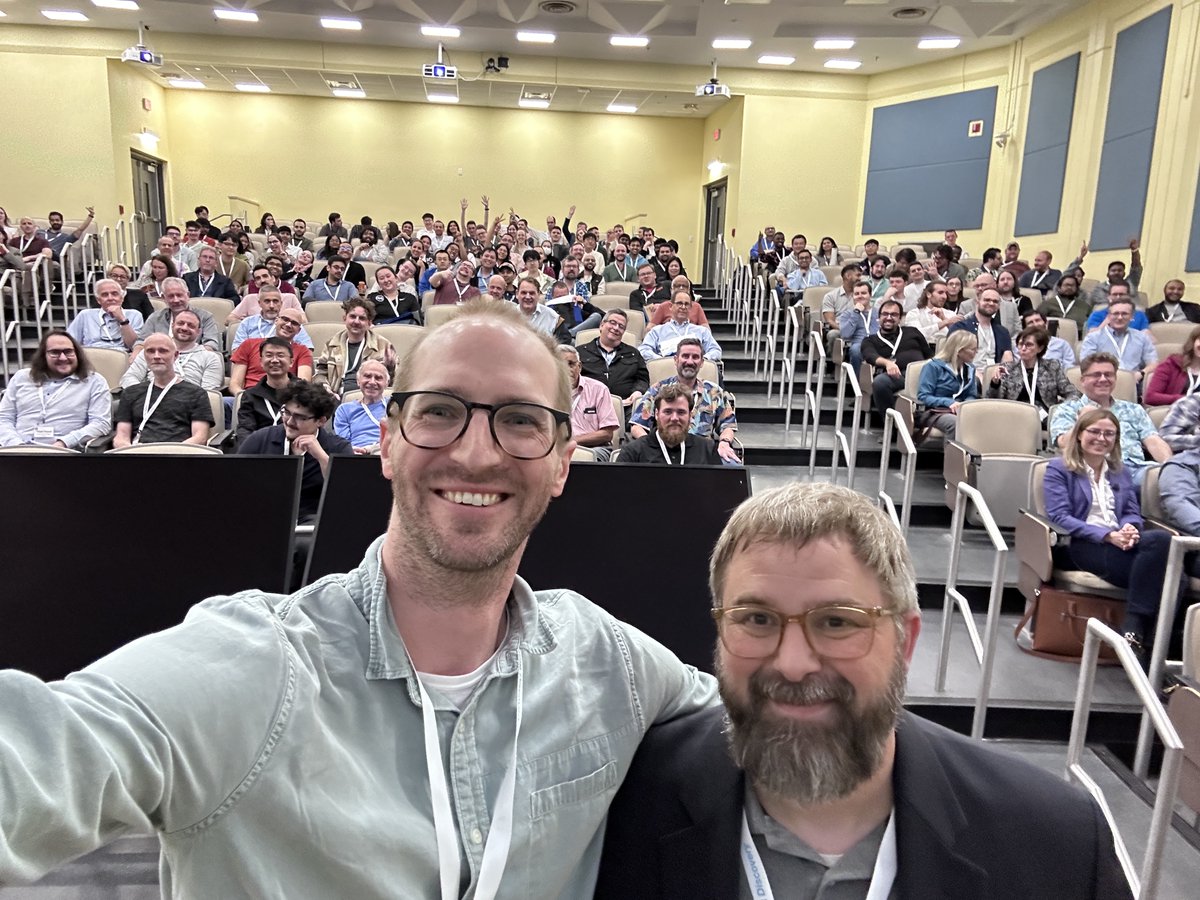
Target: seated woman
{"points": [[829, 254], [1032, 378], [954, 293], [1090, 494], [1176, 376], [948, 381]]}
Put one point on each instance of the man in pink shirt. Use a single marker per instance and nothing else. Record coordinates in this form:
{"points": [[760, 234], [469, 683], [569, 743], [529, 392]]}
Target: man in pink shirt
{"points": [[593, 419]]}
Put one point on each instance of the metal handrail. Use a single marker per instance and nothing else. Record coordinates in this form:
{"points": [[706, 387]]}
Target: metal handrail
{"points": [[771, 341], [894, 423], [743, 304], [846, 375], [985, 651], [812, 399], [122, 242], [787, 365], [39, 275], [890, 508], [9, 281], [135, 240], [1180, 544], [1144, 887], [754, 332]]}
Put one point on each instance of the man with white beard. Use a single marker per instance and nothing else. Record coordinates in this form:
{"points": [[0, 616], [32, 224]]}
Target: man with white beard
{"points": [[813, 781]]}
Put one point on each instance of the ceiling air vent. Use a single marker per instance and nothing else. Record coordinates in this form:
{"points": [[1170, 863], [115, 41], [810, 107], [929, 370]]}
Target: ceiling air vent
{"points": [[558, 7], [910, 12]]}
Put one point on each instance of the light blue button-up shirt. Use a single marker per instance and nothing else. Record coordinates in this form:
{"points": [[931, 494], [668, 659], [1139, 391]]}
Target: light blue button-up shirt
{"points": [[258, 327], [76, 409], [97, 328], [275, 745], [662, 340]]}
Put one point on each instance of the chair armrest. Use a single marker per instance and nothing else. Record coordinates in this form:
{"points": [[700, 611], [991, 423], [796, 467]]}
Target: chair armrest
{"points": [[907, 407], [1034, 540], [957, 465], [1160, 525], [100, 444], [219, 438]]}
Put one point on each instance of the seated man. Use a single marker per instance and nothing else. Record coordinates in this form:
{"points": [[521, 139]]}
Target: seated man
{"points": [[618, 365], [1058, 349], [246, 361], [111, 327], [1041, 277], [166, 408], [263, 279], [358, 420], [995, 342], [28, 244], [838, 302], [1134, 350], [1173, 307], [454, 285], [1065, 302], [661, 341], [1181, 428], [621, 268], [1179, 494], [333, 286], [890, 351], [194, 364], [175, 295], [1138, 435], [1117, 291], [801, 278], [713, 408], [306, 409], [1115, 273], [264, 324], [857, 322], [671, 443], [812, 780], [542, 318], [207, 281], [260, 404], [338, 362], [577, 312], [649, 293], [58, 401], [593, 421]]}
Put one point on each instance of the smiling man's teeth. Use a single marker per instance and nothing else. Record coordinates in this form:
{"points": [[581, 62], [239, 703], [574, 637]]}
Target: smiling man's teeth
{"points": [[471, 499]]}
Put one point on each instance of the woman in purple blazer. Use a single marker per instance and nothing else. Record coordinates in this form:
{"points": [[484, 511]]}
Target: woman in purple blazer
{"points": [[1090, 494]]}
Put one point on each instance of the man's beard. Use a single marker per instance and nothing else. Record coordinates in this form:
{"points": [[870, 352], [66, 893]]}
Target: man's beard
{"points": [[687, 370], [673, 436], [810, 762]]}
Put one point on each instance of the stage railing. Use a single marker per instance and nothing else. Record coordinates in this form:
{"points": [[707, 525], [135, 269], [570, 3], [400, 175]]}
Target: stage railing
{"points": [[1145, 885], [985, 650]]}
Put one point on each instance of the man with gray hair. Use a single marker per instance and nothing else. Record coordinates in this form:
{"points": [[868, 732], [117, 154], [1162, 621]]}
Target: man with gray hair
{"points": [[593, 419], [813, 776], [110, 326], [177, 298]]}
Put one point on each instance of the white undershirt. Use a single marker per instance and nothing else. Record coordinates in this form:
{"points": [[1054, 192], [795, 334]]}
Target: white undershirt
{"points": [[459, 688]]}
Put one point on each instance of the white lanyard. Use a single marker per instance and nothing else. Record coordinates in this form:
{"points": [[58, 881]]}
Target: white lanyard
{"points": [[1066, 310], [879, 334], [148, 410], [352, 366], [1193, 382], [25, 242], [392, 304], [1120, 347], [331, 294], [225, 271], [667, 456], [104, 317], [1038, 278], [965, 375], [866, 322], [61, 390], [1030, 383], [882, 877], [274, 413], [367, 410], [623, 271], [461, 290], [287, 444], [495, 850], [204, 287]]}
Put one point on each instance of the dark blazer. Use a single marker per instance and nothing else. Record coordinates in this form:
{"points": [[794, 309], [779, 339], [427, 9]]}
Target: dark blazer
{"points": [[700, 451], [1053, 386], [627, 373], [999, 333], [971, 822], [1158, 312], [139, 300], [1045, 285], [1069, 500], [222, 286]]}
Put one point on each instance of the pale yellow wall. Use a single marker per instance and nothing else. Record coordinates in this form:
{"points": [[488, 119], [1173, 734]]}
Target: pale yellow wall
{"points": [[396, 160], [57, 145], [127, 89], [727, 149]]}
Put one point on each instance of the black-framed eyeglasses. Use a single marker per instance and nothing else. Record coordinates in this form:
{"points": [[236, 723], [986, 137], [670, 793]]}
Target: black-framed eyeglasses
{"points": [[432, 420], [835, 632], [56, 354], [300, 418]]}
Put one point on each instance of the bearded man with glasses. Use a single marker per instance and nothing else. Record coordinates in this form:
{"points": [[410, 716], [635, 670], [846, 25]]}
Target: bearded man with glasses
{"points": [[813, 782]]}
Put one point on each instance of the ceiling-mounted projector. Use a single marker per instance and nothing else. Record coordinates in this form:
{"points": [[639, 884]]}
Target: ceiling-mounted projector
{"points": [[713, 88], [143, 55]]}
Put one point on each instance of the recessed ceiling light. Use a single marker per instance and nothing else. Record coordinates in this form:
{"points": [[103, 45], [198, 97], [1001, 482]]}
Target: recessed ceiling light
{"points": [[440, 31], [533, 103], [64, 15], [622, 108], [536, 37], [442, 98], [833, 44], [624, 40], [235, 15], [938, 43], [2, 14], [116, 4], [350, 93], [731, 43], [185, 83], [341, 24], [768, 59], [843, 63], [252, 87]]}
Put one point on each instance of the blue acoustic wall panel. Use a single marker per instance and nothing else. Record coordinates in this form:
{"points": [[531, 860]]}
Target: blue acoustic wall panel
{"points": [[1047, 138], [1133, 98], [1193, 257], [925, 173]]}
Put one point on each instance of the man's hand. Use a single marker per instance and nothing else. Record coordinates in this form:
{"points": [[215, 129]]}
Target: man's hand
{"points": [[726, 451], [91, 211], [1083, 250], [571, 212], [892, 369], [954, 407], [462, 204], [484, 198], [1134, 244], [389, 357], [308, 444]]}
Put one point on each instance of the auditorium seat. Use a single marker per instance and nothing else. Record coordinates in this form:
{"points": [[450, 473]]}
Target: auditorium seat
{"points": [[321, 333], [995, 443], [402, 337], [1067, 329], [109, 363], [623, 288], [41, 449], [1125, 388], [437, 315], [1169, 336], [583, 454], [324, 311], [590, 334], [665, 368], [611, 301], [167, 449]]}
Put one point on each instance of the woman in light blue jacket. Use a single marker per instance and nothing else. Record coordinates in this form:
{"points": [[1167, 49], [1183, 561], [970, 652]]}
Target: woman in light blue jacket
{"points": [[948, 381]]}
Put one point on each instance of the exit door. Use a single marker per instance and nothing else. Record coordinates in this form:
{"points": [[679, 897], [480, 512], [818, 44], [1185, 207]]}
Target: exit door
{"points": [[149, 205], [714, 227]]}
